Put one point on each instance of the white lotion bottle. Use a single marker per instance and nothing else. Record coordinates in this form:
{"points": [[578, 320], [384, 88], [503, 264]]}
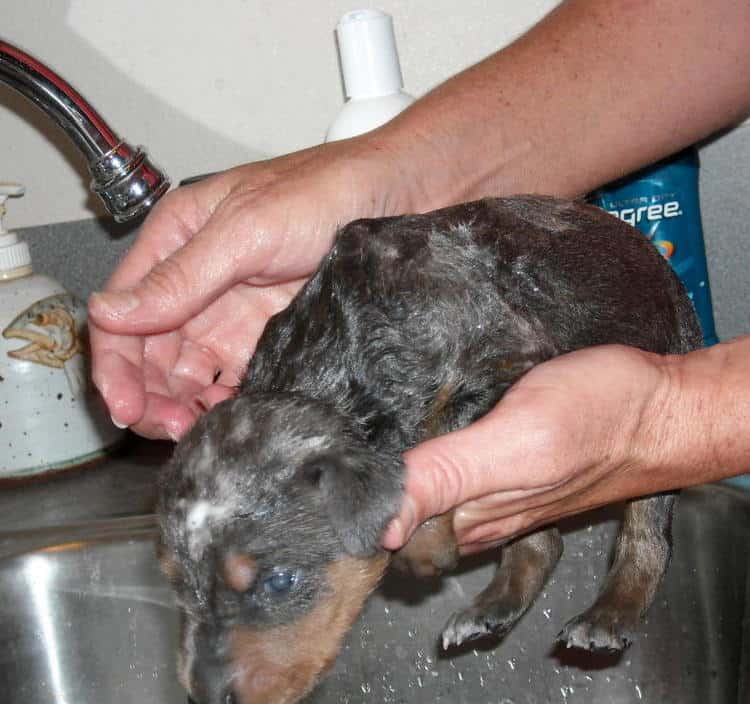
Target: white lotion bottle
{"points": [[371, 71]]}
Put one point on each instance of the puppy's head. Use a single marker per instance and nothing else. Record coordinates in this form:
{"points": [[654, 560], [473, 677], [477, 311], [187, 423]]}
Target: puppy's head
{"points": [[270, 513]]}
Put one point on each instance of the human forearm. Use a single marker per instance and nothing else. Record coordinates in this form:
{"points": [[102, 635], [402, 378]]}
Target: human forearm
{"points": [[595, 90], [692, 436]]}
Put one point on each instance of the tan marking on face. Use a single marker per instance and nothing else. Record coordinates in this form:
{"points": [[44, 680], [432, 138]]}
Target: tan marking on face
{"points": [[240, 572], [281, 665], [432, 549]]}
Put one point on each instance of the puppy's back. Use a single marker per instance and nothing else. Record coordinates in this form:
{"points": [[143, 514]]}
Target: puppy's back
{"points": [[467, 298]]}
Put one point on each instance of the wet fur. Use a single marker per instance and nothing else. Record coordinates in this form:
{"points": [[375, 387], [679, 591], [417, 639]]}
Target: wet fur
{"points": [[412, 326]]}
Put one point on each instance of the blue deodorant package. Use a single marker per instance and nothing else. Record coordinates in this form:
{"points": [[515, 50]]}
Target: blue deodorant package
{"points": [[662, 202]]}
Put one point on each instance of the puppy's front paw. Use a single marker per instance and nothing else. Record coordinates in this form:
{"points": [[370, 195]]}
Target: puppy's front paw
{"points": [[596, 631], [473, 623]]}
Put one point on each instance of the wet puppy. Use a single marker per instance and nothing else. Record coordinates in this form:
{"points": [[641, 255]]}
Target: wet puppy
{"points": [[272, 506]]}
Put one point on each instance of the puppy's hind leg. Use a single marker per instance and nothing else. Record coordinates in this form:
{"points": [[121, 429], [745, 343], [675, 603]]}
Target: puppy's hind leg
{"points": [[524, 567], [642, 554]]}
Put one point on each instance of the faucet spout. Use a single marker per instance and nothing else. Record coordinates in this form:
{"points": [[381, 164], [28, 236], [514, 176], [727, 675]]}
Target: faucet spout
{"points": [[122, 176]]}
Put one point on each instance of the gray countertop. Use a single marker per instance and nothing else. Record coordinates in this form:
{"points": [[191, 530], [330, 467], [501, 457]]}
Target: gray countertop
{"points": [[117, 486]]}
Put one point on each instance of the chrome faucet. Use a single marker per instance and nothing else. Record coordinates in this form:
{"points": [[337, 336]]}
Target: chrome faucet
{"points": [[122, 176]]}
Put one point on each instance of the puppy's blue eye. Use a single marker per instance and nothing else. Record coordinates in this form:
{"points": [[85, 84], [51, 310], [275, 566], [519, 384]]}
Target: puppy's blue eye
{"points": [[280, 581]]}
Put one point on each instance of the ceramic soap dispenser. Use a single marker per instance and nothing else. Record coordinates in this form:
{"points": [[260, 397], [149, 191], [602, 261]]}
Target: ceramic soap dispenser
{"points": [[51, 417]]}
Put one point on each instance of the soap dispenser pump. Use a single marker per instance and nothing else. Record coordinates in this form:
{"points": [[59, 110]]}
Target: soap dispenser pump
{"points": [[371, 72], [51, 417], [15, 259]]}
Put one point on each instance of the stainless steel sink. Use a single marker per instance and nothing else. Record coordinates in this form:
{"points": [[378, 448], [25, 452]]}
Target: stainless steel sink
{"points": [[86, 617]]}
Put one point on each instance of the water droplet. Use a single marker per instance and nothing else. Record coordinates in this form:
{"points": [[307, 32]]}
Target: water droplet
{"points": [[547, 613], [638, 692]]}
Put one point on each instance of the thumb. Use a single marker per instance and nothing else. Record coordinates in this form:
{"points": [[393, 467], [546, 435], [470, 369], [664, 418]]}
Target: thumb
{"points": [[174, 289], [449, 470]]}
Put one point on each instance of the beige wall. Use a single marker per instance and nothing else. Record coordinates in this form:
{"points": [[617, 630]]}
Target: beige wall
{"points": [[208, 85]]}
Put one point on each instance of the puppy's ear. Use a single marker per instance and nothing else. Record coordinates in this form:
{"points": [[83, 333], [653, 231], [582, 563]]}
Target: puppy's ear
{"points": [[360, 492]]}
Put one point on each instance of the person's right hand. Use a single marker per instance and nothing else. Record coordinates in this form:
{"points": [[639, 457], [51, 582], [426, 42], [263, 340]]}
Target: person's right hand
{"points": [[178, 320]]}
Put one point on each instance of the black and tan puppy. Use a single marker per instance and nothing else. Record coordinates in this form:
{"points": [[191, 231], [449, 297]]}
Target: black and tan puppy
{"points": [[272, 506]]}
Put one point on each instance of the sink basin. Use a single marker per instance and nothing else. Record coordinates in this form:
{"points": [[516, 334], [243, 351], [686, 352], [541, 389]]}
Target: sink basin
{"points": [[87, 618]]}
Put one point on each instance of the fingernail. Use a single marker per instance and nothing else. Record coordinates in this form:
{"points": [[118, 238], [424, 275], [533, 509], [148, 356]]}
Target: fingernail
{"points": [[397, 532], [393, 538], [171, 430], [114, 304], [117, 423]]}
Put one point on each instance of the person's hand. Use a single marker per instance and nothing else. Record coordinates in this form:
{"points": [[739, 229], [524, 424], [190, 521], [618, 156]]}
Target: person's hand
{"points": [[180, 317], [580, 431]]}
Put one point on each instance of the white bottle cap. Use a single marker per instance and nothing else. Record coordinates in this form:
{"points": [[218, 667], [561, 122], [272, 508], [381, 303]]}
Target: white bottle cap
{"points": [[369, 59], [14, 254]]}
